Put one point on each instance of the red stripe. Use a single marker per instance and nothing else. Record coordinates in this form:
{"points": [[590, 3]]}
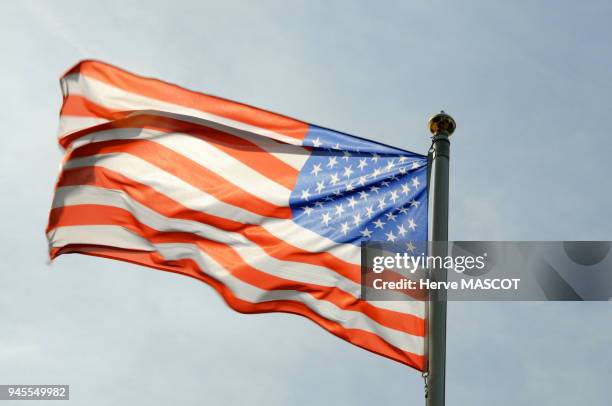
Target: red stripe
{"points": [[187, 170], [149, 197], [171, 93], [76, 105], [228, 258], [246, 152], [188, 267]]}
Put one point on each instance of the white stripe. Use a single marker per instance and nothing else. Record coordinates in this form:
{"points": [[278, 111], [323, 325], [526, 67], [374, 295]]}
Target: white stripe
{"points": [[195, 199], [205, 154], [308, 240], [118, 99], [113, 236], [70, 124], [244, 291]]}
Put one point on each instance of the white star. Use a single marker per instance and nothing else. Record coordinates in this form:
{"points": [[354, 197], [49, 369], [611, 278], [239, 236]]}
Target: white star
{"points": [[374, 189], [319, 204], [352, 202], [415, 182], [326, 218], [390, 236], [376, 172], [415, 165], [349, 187], [381, 203], [402, 170], [346, 155], [405, 189], [363, 195], [334, 179], [402, 159], [411, 224], [348, 171], [357, 219], [379, 224], [362, 164], [362, 180], [332, 161], [369, 211], [394, 196], [316, 142], [410, 246], [337, 192], [320, 186], [339, 210], [403, 210], [307, 210], [345, 228], [385, 183], [401, 230], [375, 157], [316, 169], [305, 194], [337, 146], [389, 166], [414, 203], [391, 216], [366, 233]]}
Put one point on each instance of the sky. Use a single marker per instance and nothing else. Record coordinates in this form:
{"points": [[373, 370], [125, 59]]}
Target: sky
{"points": [[529, 85]]}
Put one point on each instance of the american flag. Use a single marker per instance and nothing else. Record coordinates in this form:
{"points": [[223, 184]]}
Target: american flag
{"points": [[268, 210]]}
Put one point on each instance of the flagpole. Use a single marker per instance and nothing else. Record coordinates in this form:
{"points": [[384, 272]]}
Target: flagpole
{"points": [[441, 127]]}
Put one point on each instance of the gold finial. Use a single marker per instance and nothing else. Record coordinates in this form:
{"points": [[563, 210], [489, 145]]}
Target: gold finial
{"points": [[442, 123]]}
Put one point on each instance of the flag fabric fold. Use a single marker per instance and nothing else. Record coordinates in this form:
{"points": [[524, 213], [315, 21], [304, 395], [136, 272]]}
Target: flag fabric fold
{"points": [[268, 210]]}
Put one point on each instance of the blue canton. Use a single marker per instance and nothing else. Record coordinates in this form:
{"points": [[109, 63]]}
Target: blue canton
{"points": [[352, 190]]}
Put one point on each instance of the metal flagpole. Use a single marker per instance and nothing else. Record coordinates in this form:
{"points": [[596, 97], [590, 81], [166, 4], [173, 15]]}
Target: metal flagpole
{"points": [[441, 126]]}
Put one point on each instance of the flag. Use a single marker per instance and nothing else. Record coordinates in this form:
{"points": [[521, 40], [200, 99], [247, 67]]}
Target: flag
{"points": [[268, 210]]}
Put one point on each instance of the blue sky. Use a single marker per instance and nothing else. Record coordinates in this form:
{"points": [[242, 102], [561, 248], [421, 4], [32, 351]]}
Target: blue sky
{"points": [[529, 85]]}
